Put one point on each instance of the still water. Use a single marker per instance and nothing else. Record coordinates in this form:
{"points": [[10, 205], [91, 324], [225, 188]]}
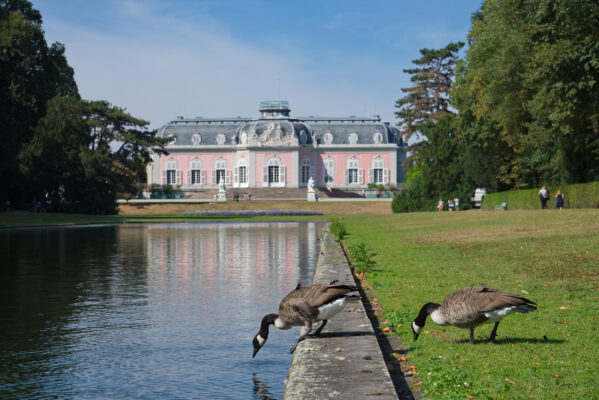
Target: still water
{"points": [[161, 311]]}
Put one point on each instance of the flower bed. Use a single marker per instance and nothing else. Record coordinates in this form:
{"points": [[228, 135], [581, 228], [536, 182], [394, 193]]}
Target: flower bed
{"points": [[251, 213]]}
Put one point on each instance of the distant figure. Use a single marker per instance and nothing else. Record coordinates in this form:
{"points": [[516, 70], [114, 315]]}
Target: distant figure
{"points": [[215, 198], [560, 200], [363, 193], [236, 197], [329, 187], [456, 204], [450, 205], [249, 196], [440, 205], [544, 196]]}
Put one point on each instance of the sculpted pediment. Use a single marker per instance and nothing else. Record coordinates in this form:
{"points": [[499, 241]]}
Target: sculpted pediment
{"points": [[272, 133]]}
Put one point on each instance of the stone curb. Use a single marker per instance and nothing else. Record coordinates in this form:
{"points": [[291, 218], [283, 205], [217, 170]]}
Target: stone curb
{"points": [[346, 361]]}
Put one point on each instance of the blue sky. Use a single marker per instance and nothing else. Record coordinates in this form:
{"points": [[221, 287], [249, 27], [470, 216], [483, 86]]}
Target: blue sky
{"points": [[160, 59]]}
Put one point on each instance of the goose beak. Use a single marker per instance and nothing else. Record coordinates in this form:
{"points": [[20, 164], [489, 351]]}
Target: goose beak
{"points": [[258, 342]]}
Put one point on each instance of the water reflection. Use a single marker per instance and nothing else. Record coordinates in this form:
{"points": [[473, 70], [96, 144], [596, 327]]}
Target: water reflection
{"points": [[154, 311]]}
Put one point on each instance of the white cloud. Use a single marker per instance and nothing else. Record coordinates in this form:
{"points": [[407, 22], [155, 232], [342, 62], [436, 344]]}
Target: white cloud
{"points": [[159, 66]]}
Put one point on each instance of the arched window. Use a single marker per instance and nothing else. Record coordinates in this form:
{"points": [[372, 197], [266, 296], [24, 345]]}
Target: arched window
{"points": [[196, 175], [353, 173], [378, 172], [220, 172], [171, 175], [273, 173], [329, 170], [306, 170], [240, 174]]}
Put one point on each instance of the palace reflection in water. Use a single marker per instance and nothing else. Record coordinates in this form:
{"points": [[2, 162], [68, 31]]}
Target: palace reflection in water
{"points": [[148, 311]]}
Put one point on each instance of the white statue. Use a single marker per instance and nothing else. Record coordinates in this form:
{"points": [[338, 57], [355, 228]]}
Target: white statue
{"points": [[310, 185], [222, 195], [221, 185]]}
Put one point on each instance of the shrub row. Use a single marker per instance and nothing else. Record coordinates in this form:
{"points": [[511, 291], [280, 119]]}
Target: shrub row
{"points": [[581, 195]]}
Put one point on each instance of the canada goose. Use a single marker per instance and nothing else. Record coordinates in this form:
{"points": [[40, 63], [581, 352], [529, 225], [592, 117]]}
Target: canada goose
{"points": [[304, 306], [471, 307]]}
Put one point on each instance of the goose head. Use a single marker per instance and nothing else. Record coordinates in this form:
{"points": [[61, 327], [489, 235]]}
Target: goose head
{"points": [[262, 335], [420, 321]]}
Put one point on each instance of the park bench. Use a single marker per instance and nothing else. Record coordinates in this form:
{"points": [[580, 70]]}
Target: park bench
{"points": [[501, 207]]}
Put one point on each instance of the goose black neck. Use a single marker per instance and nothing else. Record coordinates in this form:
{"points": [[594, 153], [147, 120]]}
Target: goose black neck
{"points": [[268, 319], [425, 311]]}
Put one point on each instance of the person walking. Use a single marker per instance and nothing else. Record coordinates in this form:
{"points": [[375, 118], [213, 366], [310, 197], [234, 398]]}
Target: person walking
{"points": [[456, 204], [440, 205], [560, 200], [449, 205], [544, 196]]}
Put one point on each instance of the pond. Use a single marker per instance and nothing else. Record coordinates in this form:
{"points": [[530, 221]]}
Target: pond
{"points": [[160, 311]]}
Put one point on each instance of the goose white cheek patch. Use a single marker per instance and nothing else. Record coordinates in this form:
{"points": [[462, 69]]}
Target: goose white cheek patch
{"points": [[416, 328], [261, 340]]}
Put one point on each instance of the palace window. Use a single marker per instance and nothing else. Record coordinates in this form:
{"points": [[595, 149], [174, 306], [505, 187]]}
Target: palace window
{"points": [[273, 173], [378, 172], [306, 170], [329, 170], [220, 172], [240, 174], [171, 175], [196, 175], [353, 173]]}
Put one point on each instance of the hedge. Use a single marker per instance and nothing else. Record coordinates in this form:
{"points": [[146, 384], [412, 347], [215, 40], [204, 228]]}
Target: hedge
{"points": [[580, 195]]}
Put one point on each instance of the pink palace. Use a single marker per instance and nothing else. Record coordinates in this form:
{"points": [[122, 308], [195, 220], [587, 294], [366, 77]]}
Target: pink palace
{"points": [[276, 150]]}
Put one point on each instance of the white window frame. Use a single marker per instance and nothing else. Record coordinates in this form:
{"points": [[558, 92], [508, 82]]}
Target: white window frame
{"points": [[171, 174], [354, 175], [378, 173], [328, 170], [195, 166], [273, 161], [307, 164], [220, 164], [240, 173]]}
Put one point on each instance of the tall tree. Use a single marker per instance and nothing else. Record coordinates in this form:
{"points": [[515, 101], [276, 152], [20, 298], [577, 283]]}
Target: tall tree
{"points": [[31, 73], [428, 99], [85, 152], [527, 91]]}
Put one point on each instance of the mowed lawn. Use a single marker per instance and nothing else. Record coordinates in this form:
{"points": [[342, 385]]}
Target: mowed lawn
{"points": [[548, 256]]}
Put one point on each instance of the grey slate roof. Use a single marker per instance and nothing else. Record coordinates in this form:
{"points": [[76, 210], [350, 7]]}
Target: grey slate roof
{"points": [[341, 129]]}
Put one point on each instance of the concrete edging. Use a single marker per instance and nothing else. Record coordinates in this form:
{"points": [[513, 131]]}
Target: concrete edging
{"points": [[346, 361]]}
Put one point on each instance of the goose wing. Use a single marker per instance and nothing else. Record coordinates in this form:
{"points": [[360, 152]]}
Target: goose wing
{"points": [[303, 302], [486, 299]]}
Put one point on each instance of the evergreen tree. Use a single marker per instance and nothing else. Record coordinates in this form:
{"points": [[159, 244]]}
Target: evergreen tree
{"points": [[428, 99]]}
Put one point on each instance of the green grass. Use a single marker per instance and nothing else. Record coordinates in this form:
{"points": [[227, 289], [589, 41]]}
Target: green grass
{"points": [[24, 219], [551, 257]]}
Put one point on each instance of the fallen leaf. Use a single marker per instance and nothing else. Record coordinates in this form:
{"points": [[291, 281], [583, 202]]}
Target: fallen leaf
{"points": [[338, 349], [524, 291], [417, 384], [510, 381], [386, 329], [563, 308], [340, 358], [469, 396]]}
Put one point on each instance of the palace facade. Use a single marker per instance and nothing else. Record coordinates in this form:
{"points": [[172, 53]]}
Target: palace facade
{"points": [[276, 150]]}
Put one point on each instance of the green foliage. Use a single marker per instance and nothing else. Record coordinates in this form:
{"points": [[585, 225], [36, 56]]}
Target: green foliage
{"points": [[31, 73], [582, 195], [439, 170], [527, 92], [337, 228], [362, 257]]}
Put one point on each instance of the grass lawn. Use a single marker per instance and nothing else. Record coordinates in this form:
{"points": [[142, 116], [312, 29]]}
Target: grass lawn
{"points": [[550, 257]]}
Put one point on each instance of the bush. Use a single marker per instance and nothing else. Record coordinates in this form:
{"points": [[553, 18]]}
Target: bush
{"points": [[337, 228], [581, 195], [362, 257]]}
